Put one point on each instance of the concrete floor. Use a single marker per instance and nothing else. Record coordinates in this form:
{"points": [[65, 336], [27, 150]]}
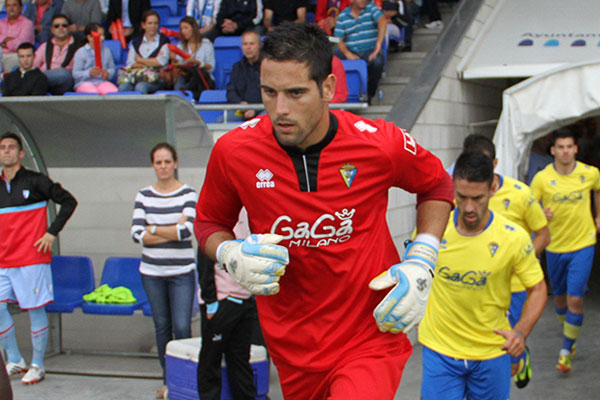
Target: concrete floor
{"points": [[545, 341]]}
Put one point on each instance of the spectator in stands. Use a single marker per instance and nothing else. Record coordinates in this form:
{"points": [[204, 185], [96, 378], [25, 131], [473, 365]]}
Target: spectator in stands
{"points": [[202, 55], [327, 12], [27, 80], [278, 11], [341, 87], [401, 15], [130, 12], [244, 82], [204, 12], [433, 13], [14, 30], [234, 18], [81, 13], [163, 224], [56, 60], [361, 29], [41, 12], [88, 77], [148, 52]]}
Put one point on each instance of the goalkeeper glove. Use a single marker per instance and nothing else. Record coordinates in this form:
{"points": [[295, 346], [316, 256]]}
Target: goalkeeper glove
{"points": [[404, 306], [256, 263]]}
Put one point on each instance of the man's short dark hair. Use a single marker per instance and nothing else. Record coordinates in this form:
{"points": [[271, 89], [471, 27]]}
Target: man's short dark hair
{"points": [[562, 133], [148, 13], [480, 143], [14, 136], [25, 46], [56, 16], [474, 166], [303, 43]]}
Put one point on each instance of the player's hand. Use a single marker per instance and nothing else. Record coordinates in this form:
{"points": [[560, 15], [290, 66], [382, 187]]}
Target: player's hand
{"points": [[256, 263], [598, 223], [549, 214], [44, 244], [404, 306], [515, 342]]}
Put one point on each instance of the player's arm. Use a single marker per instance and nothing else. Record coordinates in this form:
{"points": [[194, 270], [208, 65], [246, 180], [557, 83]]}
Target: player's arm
{"points": [[532, 310], [541, 239], [55, 192], [597, 203]]}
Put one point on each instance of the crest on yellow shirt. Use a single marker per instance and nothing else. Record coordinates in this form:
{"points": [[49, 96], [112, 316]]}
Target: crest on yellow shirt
{"points": [[506, 203], [348, 172], [493, 248]]}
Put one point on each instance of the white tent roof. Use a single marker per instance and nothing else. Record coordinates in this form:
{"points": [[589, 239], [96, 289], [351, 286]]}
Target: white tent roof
{"points": [[522, 38], [541, 104]]}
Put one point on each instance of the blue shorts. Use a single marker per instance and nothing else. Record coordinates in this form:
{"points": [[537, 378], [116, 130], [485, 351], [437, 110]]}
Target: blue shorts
{"points": [[30, 286], [517, 300], [569, 272], [447, 378]]}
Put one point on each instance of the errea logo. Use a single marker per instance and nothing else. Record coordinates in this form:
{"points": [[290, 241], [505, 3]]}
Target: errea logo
{"points": [[264, 179]]}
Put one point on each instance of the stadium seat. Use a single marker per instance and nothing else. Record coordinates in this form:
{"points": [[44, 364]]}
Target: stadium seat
{"points": [[171, 5], [147, 310], [356, 79], [120, 271], [79, 94], [72, 277], [163, 12], [134, 92], [228, 51], [115, 49], [187, 94], [212, 97]]}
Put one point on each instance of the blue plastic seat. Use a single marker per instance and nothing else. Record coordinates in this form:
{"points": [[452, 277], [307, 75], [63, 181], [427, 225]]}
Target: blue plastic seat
{"points": [[79, 94], [163, 13], [212, 97], [72, 277], [356, 79], [171, 5], [120, 271], [187, 94], [228, 51], [115, 48], [124, 93]]}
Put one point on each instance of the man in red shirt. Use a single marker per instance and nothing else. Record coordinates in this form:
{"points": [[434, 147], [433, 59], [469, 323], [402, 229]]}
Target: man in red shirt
{"points": [[315, 184]]}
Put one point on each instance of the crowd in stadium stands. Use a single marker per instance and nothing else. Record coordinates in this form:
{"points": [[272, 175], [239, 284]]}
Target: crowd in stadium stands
{"points": [[61, 28]]}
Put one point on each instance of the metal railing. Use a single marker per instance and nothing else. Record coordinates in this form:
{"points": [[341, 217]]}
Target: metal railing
{"points": [[227, 108]]}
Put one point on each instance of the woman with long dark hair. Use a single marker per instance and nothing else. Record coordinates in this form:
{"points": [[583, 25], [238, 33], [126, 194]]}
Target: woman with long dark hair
{"points": [[163, 223], [201, 51]]}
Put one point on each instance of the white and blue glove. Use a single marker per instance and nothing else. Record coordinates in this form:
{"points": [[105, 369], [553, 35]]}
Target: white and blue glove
{"points": [[404, 306], [256, 263]]}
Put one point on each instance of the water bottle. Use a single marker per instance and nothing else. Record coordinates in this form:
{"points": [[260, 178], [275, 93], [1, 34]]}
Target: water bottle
{"points": [[380, 97]]}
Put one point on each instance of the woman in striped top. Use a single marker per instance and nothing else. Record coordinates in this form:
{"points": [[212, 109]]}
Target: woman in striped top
{"points": [[163, 223]]}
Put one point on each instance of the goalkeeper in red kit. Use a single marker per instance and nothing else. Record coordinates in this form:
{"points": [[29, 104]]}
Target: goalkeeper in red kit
{"points": [[321, 260]]}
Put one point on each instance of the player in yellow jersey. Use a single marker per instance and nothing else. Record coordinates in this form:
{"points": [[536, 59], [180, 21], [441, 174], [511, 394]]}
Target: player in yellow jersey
{"points": [[514, 200], [564, 189], [466, 335]]}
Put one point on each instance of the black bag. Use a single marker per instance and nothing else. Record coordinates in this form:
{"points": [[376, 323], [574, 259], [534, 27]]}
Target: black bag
{"points": [[198, 78]]}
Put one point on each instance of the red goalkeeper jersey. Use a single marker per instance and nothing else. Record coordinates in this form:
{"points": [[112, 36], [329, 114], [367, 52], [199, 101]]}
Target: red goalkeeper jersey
{"points": [[330, 203]]}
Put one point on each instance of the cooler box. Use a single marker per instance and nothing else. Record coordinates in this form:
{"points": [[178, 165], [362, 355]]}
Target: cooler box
{"points": [[181, 360]]}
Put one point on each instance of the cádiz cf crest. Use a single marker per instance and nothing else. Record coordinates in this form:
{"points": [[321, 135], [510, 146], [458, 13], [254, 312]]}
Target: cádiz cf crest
{"points": [[348, 172], [493, 248]]}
